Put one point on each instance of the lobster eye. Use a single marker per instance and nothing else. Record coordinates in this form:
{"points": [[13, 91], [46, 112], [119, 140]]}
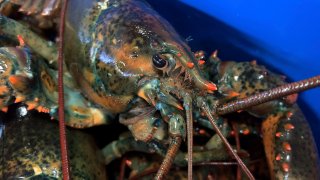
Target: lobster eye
{"points": [[159, 61]]}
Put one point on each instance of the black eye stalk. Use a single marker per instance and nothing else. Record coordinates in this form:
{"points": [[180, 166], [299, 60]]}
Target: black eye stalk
{"points": [[159, 61]]}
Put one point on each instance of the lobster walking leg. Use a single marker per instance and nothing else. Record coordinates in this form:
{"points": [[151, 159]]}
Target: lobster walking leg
{"points": [[117, 149], [46, 49], [205, 108]]}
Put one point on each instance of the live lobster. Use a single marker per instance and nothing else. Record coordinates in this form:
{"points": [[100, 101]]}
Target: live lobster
{"points": [[123, 58]]}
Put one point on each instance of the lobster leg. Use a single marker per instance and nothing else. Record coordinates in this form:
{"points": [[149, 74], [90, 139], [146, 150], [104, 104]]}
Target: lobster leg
{"points": [[205, 107], [12, 28], [289, 146], [176, 131], [142, 167], [117, 149]]}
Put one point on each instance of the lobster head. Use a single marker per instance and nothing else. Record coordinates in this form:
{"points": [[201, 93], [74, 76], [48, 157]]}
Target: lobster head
{"points": [[143, 43]]}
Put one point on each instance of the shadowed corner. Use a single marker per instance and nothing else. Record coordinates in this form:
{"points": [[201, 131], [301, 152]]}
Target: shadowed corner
{"points": [[208, 33]]}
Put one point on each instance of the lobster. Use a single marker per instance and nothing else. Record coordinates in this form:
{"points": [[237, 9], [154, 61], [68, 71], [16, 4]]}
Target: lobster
{"points": [[123, 58]]}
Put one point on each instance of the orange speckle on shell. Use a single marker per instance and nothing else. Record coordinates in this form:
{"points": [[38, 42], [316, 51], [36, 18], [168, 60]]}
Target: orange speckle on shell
{"points": [[31, 105], [19, 99], [190, 65], [3, 90], [42, 109], [289, 114], [18, 82], [20, 39], [232, 94], [13, 80], [128, 162], [288, 126], [285, 167], [291, 99], [246, 131], [202, 131], [39, 109], [232, 133], [201, 62], [278, 134], [211, 86], [286, 146], [4, 109]]}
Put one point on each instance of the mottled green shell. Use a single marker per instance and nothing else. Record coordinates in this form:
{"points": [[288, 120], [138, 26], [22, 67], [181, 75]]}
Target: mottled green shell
{"points": [[30, 148], [109, 48]]}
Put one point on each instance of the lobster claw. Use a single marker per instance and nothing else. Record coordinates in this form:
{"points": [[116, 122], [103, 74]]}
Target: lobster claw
{"points": [[170, 100], [143, 125], [150, 92]]}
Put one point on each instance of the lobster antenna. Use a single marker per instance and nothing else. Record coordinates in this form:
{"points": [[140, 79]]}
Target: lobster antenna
{"points": [[188, 107], [269, 95], [206, 110], [62, 127]]}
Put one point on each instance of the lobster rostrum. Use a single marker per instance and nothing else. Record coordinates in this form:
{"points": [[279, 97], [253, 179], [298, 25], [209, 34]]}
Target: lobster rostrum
{"points": [[121, 54]]}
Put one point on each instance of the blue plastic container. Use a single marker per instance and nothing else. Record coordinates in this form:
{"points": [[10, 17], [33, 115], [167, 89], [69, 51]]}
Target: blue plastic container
{"points": [[283, 35]]}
